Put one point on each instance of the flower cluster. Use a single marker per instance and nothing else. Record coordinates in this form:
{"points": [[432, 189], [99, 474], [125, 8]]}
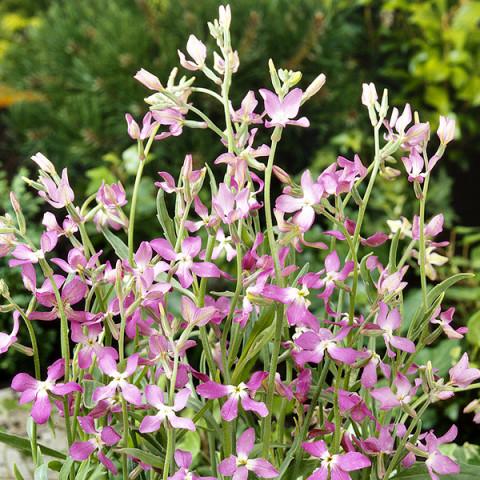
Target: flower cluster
{"points": [[217, 329]]}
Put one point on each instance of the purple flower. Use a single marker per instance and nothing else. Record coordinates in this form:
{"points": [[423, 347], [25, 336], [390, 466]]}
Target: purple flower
{"points": [[185, 265], [281, 111], [25, 254], [184, 459], [387, 323], [106, 436], [235, 393], [130, 392], [245, 113], [315, 344], [312, 195], [239, 465], [155, 397], [443, 319], [404, 393], [335, 465], [37, 390], [134, 130], [462, 376], [92, 347], [57, 196], [436, 461]]}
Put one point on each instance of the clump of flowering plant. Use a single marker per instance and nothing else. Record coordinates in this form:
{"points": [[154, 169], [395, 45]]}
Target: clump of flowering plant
{"points": [[247, 357]]}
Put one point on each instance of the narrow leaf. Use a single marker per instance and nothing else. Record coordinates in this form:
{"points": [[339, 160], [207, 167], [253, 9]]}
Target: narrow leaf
{"points": [[164, 218], [23, 444], [146, 457], [118, 245], [16, 472]]}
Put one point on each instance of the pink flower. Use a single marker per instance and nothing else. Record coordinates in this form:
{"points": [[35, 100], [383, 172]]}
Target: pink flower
{"points": [[388, 322], [92, 347], [151, 423], [245, 113], [37, 390], [106, 436], [312, 195], [436, 461], [235, 393], [446, 130], [185, 265], [57, 196], [281, 111], [404, 393], [315, 344], [444, 319], [130, 392], [184, 459], [239, 465], [414, 165], [197, 50], [134, 130], [334, 467], [369, 94], [149, 80], [24, 254], [462, 376], [44, 163], [7, 339]]}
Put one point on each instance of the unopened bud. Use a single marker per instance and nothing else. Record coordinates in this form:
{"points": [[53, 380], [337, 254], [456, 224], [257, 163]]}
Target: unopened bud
{"points": [[409, 410], [274, 77], [224, 16], [44, 163], [314, 87], [282, 175]]}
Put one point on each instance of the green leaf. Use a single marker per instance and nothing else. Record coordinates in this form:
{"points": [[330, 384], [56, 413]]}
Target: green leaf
{"points": [[118, 245], [55, 465], [16, 472], [473, 334], [23, 444], [41, 472], [442, 287], [89, 386], [65, 471], [164, 218], [146, 457]]}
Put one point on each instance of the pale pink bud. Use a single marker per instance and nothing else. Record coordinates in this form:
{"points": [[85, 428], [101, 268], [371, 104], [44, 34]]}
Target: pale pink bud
{"points": [[369, 94], [149, 80], [15, 203], [446, 130], [44, 163], [314, 87], [224, 16]]}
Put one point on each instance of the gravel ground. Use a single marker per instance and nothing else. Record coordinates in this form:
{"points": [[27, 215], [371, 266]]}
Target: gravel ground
{"points": [[13, 421]]}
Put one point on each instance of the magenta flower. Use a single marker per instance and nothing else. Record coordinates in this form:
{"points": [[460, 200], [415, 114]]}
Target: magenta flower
{"points": [[57, 196], [242, 392], [185, 265], [92, 347], [24, 254], [312, 195], [37, 390], [155, 397], [315, 344], [239, 465], [134, 130], [401, 398], [7, 339], [184, 459], [73, 292], [462, 376], [245, 113], [282, 111], [77, 262], [387, 323], [444, 319], [333, 274], [106, 436], [335, 465], [130, 392], [436, 461]]}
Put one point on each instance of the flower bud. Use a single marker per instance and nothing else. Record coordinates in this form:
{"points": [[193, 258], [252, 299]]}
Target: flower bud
{"points": [[44, 163], [369, 94], [446, 130], [224, 16], [314, 87], [149, 80]]}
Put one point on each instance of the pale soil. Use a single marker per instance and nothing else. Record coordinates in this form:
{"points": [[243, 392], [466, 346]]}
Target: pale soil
{"points": [[13, 421]]}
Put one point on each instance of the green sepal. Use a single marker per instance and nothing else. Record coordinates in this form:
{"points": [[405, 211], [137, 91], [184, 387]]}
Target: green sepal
{"points": [[164, 218]]}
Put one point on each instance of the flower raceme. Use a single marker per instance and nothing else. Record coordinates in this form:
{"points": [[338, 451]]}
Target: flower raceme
{"points": [[313, 339]]}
